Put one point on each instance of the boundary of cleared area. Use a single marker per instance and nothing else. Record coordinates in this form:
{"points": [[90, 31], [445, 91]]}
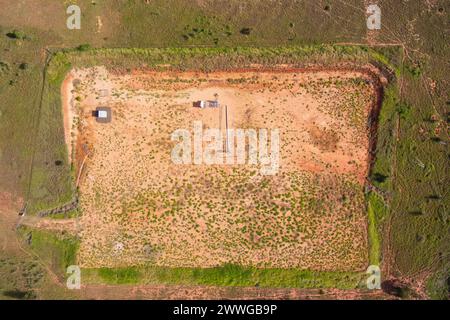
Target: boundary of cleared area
{"points": [[373, 141]]}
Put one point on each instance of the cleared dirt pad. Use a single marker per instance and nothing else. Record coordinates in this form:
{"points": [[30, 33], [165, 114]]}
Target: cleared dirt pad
{"points": [[138, 206]]}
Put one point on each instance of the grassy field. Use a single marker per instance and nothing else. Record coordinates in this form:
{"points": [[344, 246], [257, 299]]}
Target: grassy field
{"points": [[19, 277], [227, 275], [24, 266], [56, 250], [412, 149], [376, 214]]}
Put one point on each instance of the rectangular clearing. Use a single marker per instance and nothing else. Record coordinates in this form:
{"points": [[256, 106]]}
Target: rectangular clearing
{"points": [[139, 207]]}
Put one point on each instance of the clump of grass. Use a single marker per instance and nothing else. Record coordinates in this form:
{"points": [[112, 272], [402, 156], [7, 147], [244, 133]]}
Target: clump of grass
{"points": [[246, 31], [17, 34], [84, 47]]}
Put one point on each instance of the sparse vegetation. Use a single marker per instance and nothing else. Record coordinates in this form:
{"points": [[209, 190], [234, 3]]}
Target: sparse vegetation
{"points": [[19, 278], [246, 31], [84, 47], [17, 34], [57, 250]]}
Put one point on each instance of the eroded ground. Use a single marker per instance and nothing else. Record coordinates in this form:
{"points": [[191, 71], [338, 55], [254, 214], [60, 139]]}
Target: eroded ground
{"points": [[138, 206]]}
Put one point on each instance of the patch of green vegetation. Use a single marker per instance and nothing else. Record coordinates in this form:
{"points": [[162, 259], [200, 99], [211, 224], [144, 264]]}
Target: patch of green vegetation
{"points": [[17, 34], [419, 158], [246, 30], [51, 182], [406, 170], [170, 23], [57, 69], [84, 47], [415, 70], [66, 215], [19, 277], [23, 277], [58, 250], [381, 173], [376, 212], [420, 226], [383, 57], [226, 275], [220, 58], [128, 275], [19, 92], [438, 285], [4, 67]]}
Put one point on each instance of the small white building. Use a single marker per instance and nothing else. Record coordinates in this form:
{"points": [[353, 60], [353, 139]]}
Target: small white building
{"points": [[103, 114]]}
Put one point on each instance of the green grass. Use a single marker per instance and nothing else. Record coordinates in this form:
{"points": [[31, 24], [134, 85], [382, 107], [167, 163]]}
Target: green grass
{"points": [[409, 169], [420, 200], [51, 182], [183, 23], [438, 285], [227, 275], [19, 96], [71, 214], [19, 277], [57, 250], [381, 171], [418, 162], [120, 276], [383, 56], [219, 58], [376, 213]]}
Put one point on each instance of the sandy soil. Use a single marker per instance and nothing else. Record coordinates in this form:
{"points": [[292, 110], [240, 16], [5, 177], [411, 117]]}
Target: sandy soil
{"points": [[139, 207], [70, 226], [67, 102]]}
